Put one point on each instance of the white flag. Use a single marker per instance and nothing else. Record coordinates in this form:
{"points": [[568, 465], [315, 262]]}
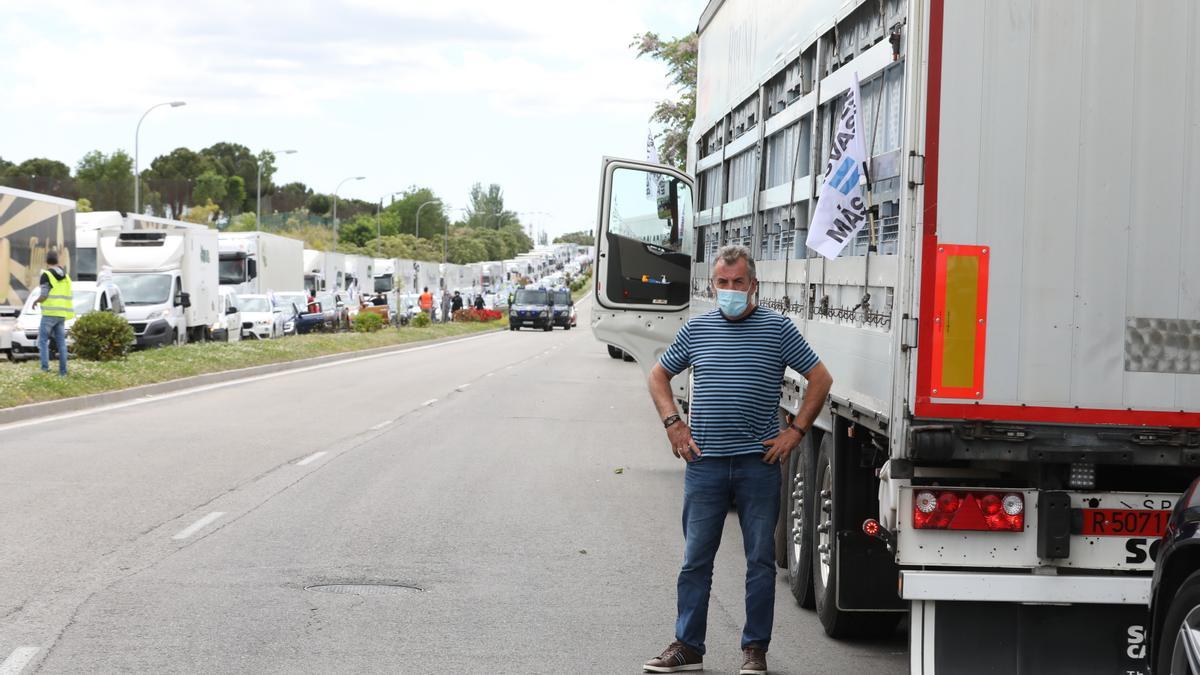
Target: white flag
{"points": [[841, 211]]}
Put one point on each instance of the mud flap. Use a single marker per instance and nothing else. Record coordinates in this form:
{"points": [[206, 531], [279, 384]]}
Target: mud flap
{"points": [[947, 638]]}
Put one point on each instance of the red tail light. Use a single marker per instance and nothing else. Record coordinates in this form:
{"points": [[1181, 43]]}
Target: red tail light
{"points": [[980, 510]]}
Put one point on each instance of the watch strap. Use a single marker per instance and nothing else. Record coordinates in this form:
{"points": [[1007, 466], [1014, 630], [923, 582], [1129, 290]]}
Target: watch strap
{"points": [[670, 419]]}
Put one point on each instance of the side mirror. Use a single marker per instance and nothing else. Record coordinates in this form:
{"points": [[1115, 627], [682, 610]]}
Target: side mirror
{"points": [[185, 299], [251, 269], [231, 310]]}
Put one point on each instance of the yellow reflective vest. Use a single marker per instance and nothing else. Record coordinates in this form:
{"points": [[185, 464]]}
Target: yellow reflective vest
{"points": [[59, 302]]}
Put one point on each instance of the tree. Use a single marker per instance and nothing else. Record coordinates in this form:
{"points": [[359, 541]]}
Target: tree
{"points": [[289, 197], [582, 237], [357, 230], [234, 159], [487, 207], [319, 204], [235, 195], [203, 215], [173, 176], [677, 116], [402, 214], [106, 181], [82, 205], [465, 250], [210, 188], [40, 167]]}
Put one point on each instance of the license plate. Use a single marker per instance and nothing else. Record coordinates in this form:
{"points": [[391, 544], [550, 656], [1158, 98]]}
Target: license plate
{"points": [[1124, 522], [527, 323]]}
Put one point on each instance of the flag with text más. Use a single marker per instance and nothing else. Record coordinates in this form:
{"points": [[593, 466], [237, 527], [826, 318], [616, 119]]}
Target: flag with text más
{"points": [[841, 210]]}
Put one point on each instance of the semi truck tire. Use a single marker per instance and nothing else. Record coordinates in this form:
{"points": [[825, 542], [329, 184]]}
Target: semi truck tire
{"points": [[797, 530], [836, 622]]}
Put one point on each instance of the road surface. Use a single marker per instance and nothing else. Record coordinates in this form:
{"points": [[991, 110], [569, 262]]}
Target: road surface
{"points": [[500, 504]]}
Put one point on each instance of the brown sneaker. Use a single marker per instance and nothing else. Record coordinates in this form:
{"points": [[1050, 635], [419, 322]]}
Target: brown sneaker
{"points": [[675, 658], [754, 660]]}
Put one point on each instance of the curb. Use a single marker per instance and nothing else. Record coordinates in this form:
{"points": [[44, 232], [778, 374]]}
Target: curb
{"points": [[30, 411]]}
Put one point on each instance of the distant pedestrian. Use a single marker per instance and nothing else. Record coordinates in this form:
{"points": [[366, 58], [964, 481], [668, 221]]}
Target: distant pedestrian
{"points": [[456, 303], [54, 295], [313, 305], [738, 354], [426, 303], [447, 303], [479, 302]]}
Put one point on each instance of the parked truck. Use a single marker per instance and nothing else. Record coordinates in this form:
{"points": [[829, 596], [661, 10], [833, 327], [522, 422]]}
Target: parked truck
{"points": [[30, 225], [167, 273], [1013, 337], [324, 271], [255, 263]]}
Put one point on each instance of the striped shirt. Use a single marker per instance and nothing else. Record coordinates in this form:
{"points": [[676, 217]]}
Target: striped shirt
{"points": [[737, 373]]}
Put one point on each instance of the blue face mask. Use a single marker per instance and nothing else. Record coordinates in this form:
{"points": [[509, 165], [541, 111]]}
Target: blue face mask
{"points": [[733, 303]]}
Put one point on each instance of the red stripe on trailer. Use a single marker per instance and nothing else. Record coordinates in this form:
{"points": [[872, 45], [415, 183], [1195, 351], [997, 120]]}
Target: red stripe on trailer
{"points": [[924, 407]]}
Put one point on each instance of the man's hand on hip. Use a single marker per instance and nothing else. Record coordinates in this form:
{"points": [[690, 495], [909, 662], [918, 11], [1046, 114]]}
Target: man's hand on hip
{"points": [[682, 443], [780, 447]]}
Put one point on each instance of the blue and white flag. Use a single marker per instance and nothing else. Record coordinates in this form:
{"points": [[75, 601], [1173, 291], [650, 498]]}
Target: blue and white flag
{"points": [[841, 210]]}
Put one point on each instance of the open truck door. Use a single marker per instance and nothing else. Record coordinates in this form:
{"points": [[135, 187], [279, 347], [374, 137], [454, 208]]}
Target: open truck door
{"points": [[643, 259]]}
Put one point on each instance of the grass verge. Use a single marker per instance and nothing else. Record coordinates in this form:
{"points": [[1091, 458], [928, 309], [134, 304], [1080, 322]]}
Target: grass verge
{"points": [[22, 383], [587, 288]]}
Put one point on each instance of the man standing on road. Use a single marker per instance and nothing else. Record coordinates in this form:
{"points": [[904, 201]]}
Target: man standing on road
{"points": [[446, 302], [426, 303], [54, 295], [733, 449]]}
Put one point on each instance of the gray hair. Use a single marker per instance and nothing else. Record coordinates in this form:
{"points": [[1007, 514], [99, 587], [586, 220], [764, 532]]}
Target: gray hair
{"points": [[732, 253]]}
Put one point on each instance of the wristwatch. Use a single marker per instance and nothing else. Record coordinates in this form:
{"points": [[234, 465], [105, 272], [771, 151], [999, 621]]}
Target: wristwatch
{"points": [[669, 420]]}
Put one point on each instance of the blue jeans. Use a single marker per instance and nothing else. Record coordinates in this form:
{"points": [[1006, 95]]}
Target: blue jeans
{"points": [[55, 326], [709, 485]]}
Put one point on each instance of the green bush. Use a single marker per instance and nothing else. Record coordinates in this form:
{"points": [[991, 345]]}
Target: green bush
{"points": [[421, 320], [101, 336], [367, 322]]}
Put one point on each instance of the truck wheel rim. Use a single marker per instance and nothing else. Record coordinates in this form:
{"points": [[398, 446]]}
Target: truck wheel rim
{"points": [[1186, 656], [824, 538], [798, 551]]}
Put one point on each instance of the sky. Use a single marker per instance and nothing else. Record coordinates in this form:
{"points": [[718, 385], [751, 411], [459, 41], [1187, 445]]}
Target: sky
{"points": [[529, 94]]}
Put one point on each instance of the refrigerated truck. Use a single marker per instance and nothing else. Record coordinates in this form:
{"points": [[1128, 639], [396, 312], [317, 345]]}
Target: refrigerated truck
{"points": [[255, 263], [1016, 354], [30, 225], [167, 273], [324, 271]]}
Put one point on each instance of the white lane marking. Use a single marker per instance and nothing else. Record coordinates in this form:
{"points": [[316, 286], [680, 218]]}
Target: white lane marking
{"points": [[198, 525], [381, 425], [463, 386], [17, 661], [150, 398], [508, 367], [312, 458], [428, 403], [489, 375]]}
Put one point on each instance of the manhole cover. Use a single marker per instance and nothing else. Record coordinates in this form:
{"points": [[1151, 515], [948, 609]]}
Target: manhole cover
{"points": [[364, 589]]}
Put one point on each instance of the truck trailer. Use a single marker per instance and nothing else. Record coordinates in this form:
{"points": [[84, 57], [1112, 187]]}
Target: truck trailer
{"points": [[30, 225], [1013, 337], [254, 263]]}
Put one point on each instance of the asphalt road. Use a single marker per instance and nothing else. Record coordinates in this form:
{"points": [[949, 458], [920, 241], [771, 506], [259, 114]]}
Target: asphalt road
{"points": [[183, 533]]}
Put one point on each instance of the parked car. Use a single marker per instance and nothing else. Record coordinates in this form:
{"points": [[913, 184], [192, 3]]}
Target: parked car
{"points": [[290, 304], [1174, 632], [88, 296], [259, 319], [228, 327]]}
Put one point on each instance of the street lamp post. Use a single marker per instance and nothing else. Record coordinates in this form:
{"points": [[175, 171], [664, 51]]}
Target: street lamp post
{"points": [[335, 222], [431, 201], [258, 189], [378, 229], [137, 179]]}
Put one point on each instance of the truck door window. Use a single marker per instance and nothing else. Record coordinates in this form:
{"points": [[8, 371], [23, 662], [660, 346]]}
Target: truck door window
{"points": [[649, 238]]}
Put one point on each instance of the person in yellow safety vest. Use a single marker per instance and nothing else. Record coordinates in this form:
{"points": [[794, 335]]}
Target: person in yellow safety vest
{"points": [[54, 295]]}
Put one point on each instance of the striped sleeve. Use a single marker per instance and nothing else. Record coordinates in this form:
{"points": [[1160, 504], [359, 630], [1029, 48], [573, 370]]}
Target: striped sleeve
{"points": [[678, 356], [795, 350]]}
